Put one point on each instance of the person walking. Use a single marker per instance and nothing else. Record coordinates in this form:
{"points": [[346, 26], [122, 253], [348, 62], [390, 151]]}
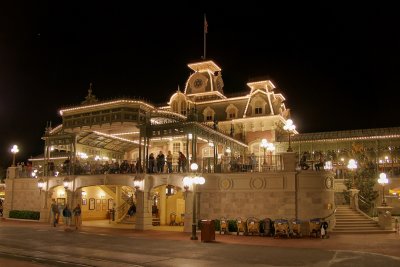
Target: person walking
{"points": [[67, 217], [77, 216], [55, 212]]}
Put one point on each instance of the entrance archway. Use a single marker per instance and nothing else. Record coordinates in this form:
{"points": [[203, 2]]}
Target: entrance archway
{"points": [[168, 205]]}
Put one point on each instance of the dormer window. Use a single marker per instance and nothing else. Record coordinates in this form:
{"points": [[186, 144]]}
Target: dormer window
{"points": [[231, 112], [258, 107], [208, 114]]}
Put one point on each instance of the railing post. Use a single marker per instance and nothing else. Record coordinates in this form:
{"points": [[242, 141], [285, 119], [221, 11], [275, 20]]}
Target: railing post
{"points": [[385, 217]]}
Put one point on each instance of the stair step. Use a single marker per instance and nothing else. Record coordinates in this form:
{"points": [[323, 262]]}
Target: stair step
{"points": [[363, 231], [355, 223], [357, 227]]}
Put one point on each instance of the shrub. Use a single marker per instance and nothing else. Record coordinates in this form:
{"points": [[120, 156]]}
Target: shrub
{"points": [[25, 214]]}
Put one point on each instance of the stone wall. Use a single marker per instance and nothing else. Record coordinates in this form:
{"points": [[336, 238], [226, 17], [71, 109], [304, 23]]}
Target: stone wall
{"points": [[22, 194], [267, 195]]}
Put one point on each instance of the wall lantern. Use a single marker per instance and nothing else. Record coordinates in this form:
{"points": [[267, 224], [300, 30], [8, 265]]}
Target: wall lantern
{"points": [[66, 183], [170, 190]]}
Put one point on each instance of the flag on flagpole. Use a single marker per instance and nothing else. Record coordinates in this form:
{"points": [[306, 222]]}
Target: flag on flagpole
{"points": [[205, 24]]}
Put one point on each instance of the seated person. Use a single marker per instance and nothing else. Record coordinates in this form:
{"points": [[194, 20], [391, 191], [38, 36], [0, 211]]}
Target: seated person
{"points": [[303, 162], [320, 163]]}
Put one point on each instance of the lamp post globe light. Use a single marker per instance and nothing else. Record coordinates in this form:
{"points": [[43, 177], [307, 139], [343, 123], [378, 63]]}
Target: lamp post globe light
{"points": [[264, 144], [352, 165], [193, 180], [289, 127], [14, 150], [41, 184], [383, 180]]}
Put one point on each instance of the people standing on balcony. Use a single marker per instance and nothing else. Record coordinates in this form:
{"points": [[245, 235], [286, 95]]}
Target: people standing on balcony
{"points": [[181, 162], [160, 162], [138, 166], [151, 163], [225, 162], [253, 162], [51, 168], [169, 161]]}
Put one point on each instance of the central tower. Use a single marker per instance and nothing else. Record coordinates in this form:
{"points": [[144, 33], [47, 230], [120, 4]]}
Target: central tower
{"points": [[206, 82]]}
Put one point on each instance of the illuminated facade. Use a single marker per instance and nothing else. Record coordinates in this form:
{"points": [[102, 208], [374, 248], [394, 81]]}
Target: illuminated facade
{"points": [[224, 135]]}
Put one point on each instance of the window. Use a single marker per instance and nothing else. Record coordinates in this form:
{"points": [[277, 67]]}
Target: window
{"points": [[183, 108], [208, 114], [176, 147], [258, 107], [175, 106], [231, 112]]}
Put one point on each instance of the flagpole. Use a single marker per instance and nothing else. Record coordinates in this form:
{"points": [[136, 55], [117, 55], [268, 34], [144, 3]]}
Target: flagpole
{"points": [[205, 36]]}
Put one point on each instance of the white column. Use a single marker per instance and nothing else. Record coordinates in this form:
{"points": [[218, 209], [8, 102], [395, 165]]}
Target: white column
{"points": [[144, 218], [163, 206], [188, 212]]}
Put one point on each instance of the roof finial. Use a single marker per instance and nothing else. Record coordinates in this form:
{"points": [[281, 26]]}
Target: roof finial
{"points": [[90, 90], [179, 89], [90, 98]]}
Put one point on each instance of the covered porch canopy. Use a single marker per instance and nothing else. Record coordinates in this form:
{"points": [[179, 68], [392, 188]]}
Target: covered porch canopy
{"points": [[194, 133]]}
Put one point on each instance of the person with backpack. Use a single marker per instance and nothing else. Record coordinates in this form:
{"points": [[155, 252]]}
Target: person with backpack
{"points": [[67, 214]]}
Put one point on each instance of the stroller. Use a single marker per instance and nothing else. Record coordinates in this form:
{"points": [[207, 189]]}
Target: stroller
{"points": [[240, 225], [223, 225], [281, 228], [253, 226], [296, 227], [315, 227], [267, 227]]}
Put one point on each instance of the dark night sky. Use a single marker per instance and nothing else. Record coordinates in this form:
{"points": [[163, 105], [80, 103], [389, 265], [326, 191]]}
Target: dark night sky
{"points": [[335, 65]]}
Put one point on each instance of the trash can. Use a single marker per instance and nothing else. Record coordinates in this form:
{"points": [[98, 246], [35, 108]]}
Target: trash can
{"points": [[207, 230]]}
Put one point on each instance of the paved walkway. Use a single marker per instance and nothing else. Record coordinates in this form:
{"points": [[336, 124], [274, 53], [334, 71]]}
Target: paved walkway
{"points": [[159, 248]]}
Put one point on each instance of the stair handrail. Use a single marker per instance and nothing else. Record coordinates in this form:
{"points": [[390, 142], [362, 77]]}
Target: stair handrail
{"points": [[331, 214], [364, 200]]}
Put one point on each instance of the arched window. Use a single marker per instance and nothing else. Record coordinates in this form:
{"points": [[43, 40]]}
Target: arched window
{"points": [[231, 112], [175, 106], [183, 107], [208, 114]]}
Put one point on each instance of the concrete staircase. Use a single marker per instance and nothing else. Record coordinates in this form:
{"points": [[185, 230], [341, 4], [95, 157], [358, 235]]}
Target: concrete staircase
{"points": [[352, 222]]}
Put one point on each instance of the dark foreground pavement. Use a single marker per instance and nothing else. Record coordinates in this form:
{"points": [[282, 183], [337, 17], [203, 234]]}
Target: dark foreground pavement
{"points": [[37, 244]]}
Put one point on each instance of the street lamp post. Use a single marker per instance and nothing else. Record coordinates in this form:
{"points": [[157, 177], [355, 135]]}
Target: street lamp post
{"points": [[352, 165], [383, 180], [289, 127], [14, 150], [264, 144], [193, 180]]}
